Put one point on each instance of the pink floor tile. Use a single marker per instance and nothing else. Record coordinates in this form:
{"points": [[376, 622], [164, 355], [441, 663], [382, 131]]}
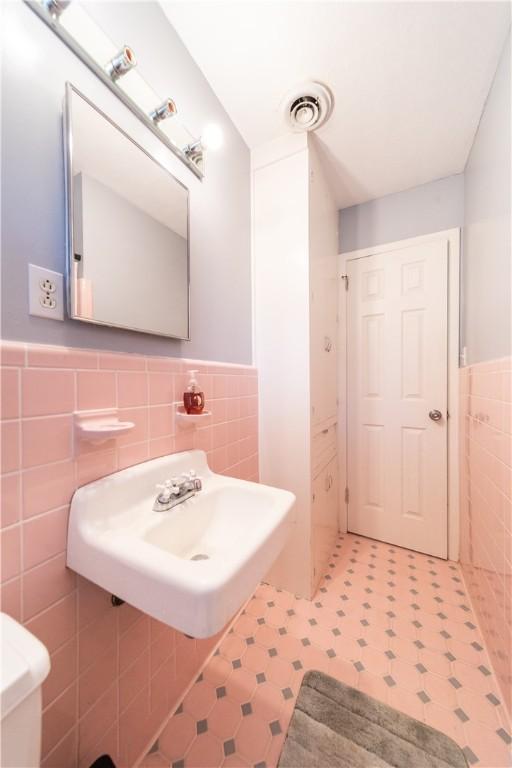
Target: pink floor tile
{"points": [[267, 702], [432, 668], [406, 702], [235, 761], [438, 716], [225, 717], [201, 700], [243, 682], [218, 670], [155, 760], [253, 738], [177, 736], [206, 750]]}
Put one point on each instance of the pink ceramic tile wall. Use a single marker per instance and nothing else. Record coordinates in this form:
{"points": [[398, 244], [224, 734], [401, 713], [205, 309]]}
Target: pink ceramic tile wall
{"points": [[116, 673], [486, 505]]}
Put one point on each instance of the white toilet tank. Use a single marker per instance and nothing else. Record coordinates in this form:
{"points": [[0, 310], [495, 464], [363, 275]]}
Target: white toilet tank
{"points": [[25, 664]]}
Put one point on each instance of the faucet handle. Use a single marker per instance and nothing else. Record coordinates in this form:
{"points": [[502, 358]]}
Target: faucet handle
{"points": [[166, 490], [175, 484], [198, 485], [192, 478], [188, 477], [169, 488]]}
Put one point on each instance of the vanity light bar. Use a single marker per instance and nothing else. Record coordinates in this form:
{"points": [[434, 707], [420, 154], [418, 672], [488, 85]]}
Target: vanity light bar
{"points": [[123, 62], [165, 110], [47, 11]]}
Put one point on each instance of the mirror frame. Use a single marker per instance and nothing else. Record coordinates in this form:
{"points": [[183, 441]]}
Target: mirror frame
{"points": [[68, 187]]}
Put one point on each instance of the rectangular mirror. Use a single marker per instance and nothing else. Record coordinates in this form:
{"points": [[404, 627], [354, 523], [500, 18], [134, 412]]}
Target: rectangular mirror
{"points": [[128, 253]]}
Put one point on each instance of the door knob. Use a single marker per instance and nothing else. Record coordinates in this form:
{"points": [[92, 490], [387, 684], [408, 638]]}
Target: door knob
{"points": [[435, 415]]}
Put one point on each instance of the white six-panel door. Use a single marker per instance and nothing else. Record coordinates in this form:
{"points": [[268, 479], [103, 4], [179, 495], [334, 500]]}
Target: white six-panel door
{"points": [[397, 343]]}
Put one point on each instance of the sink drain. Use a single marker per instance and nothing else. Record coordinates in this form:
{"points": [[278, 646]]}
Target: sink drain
{"points": [[200, 557]]}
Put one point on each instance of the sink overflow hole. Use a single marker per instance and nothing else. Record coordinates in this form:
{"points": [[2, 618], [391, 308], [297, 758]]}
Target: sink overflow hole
{"points": [[200, 557]]}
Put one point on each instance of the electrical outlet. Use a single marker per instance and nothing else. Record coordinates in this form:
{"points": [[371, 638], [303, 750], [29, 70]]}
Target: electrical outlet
{"points": [[45, 292]]}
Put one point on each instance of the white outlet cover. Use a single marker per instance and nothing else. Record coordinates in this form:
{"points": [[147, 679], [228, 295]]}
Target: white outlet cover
{"points": [[37, 294]]}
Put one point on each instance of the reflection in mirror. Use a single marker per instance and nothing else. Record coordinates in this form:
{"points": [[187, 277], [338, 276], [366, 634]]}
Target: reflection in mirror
{"points": [[128, 233]]}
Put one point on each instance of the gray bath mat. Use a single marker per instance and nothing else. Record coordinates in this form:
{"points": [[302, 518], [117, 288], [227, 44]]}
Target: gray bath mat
{"points": [[336, 726]]}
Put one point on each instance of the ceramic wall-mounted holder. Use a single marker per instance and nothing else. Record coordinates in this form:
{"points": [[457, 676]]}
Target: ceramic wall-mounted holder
{"points": [[100, 426], [186, 420]]}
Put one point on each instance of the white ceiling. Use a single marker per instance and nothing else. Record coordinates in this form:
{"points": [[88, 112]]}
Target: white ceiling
{"points": [[409, 79]]}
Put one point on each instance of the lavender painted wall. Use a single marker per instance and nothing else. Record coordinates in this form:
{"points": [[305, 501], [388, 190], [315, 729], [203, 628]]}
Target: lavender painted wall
{"points": [[486, 271], [431, 207], [35, 67]]}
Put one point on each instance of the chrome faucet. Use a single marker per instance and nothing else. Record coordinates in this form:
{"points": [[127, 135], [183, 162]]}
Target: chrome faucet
{"points": [[176, 490]]}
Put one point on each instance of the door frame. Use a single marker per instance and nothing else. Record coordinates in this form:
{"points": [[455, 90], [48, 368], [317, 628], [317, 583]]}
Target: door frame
{"points": [[452, 238]]}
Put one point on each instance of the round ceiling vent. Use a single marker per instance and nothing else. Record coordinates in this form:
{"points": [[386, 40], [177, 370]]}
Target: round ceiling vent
{"points": [[307, 106]]}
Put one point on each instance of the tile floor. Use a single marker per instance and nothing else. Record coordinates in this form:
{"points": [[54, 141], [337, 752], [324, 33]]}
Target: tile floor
{"points": [[393, 623]]}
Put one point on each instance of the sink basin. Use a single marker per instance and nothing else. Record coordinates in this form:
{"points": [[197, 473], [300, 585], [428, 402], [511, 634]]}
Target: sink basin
{"points": [[192, 566]]}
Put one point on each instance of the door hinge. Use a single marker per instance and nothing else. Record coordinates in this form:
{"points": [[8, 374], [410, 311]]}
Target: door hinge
{"points": [[345, 278], [346, 495]]}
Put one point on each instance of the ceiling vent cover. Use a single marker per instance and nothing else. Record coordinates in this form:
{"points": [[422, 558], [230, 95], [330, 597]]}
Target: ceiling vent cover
{"points": [[306, 107]]}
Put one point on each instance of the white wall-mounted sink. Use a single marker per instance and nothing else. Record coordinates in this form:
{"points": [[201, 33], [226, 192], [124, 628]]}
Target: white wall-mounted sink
{"points": [[116, 540]]}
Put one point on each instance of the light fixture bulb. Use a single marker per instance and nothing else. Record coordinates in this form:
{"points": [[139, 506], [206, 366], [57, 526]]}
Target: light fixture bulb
{"points": [[123, 62], [195, 153], [212, 136], [55, 7], [165, 110]]}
